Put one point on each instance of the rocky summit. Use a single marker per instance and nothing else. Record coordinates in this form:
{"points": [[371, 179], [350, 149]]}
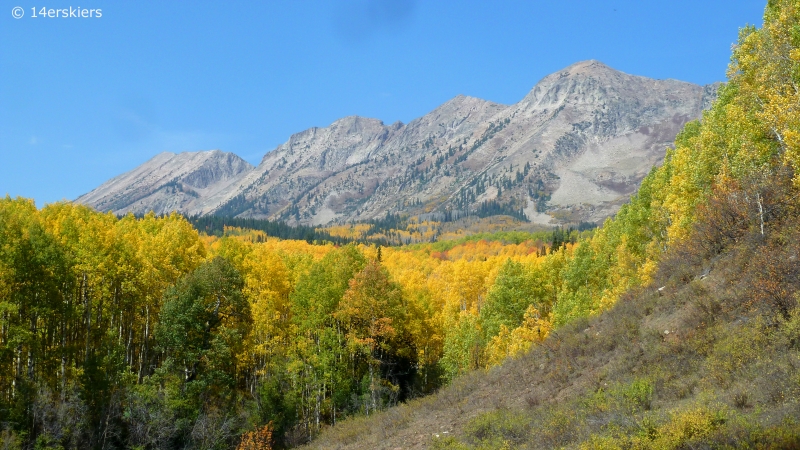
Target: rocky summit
{"points": [[574, 149]]}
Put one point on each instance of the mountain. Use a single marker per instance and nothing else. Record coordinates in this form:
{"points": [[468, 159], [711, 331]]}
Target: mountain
{"points": [[168, 182], [575, 148]]}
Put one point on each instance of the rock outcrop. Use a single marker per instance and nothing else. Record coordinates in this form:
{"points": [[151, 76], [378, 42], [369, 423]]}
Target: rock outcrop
{"points": [[168, 182]]}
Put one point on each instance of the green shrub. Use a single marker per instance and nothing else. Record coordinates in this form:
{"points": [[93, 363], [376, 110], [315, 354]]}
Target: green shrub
{"points": [[9, 440], [638, 395], [499, 427]]}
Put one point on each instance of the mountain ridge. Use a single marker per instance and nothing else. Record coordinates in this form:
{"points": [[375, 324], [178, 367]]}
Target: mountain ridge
{"points": [[574, 148]]}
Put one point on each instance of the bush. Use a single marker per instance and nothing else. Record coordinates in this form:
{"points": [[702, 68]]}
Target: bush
{"points": [[687, 427], [499, 427], [638, 395]]}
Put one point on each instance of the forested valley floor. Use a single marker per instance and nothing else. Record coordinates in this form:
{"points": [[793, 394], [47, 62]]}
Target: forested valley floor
{"points": [[675, 325], [130, 331]]}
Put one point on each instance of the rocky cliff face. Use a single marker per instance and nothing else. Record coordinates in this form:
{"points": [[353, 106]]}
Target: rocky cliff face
{"points": [[168, 182], [575, 148]]}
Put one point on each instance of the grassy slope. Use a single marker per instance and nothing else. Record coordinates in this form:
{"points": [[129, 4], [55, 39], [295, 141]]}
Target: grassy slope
{"points": [[695, 364]]}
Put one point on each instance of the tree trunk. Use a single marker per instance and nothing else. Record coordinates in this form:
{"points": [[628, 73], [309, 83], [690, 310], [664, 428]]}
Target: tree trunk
{"points": [[760, 212]]}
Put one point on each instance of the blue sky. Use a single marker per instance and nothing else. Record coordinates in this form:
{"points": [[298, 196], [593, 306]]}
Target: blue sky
{"points": [[85, 99]]}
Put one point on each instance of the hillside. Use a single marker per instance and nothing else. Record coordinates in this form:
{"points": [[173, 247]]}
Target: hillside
{"points": [[576, 147], [676, 324], [705, 356]]}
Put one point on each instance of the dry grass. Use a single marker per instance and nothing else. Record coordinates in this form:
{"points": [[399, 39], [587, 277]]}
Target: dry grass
{"points": [[710, 360]]}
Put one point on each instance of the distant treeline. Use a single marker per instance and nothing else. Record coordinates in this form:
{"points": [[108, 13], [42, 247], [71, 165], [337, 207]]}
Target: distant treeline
{"points": [[215, 226]]}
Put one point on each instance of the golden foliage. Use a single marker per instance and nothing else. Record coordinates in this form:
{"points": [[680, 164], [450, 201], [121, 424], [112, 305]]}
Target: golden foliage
{"points": [[513, 343], [258, 439]]}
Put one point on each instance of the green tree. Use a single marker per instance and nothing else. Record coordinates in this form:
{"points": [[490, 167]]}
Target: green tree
{"points": [[463, 349], [373, 315], [513, 291], [320, 362], [201, 329]]}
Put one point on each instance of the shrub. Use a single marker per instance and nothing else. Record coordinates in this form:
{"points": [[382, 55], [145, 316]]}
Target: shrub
{"points": [[501, 426], [639, 394], [688, 426]]}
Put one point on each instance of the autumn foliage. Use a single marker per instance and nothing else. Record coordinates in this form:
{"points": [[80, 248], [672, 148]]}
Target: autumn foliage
{"points": [[140, 332], [258, 439], [164, 337]]}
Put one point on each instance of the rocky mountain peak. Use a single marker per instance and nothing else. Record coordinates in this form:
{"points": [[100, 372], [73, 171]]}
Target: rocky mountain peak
{"points": [[587, 80], [356, 124], [574, 148], [167, 182], [588, 66]]}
